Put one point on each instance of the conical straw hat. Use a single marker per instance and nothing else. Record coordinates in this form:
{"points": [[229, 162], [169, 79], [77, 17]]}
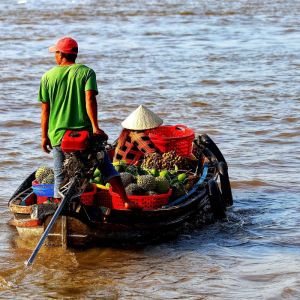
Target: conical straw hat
{"points": [[141, 119]]}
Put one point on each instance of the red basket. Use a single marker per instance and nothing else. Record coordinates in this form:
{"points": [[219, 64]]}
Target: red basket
{"points": [[167, 138], [144, 202], [87, 198], [45, 199], [103, 198]]}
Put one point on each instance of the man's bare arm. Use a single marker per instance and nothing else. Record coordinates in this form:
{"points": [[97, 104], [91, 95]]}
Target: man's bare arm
{"points": [[46, 145], [92, 111]]}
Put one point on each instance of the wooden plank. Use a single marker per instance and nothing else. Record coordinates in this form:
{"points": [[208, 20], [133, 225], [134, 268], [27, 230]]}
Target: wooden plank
{"points": [[64, 232]]}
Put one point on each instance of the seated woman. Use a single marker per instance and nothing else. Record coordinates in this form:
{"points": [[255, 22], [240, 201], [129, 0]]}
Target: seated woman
{"points": [[134, 142]]}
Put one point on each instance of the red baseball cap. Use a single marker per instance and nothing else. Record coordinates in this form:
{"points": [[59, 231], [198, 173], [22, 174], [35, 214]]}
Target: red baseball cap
{"points": [[65, 45]]}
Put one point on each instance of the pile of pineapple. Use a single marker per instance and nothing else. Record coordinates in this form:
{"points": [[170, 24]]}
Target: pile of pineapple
{"points": [[44, 175]]}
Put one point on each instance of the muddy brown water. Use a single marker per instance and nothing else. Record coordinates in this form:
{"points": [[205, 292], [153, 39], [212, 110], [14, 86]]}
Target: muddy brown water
{"points": [[226, 68]]}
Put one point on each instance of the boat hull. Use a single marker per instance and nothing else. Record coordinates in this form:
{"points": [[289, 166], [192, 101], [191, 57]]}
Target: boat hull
{"points": [[80, 225]]}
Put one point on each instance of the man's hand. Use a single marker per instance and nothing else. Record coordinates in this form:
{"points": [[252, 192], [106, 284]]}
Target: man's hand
{"points": [[46, 145], [98, 131]]}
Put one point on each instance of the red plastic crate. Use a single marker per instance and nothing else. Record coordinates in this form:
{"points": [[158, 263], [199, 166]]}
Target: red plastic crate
{"points": [[167, 138], [144, 202], [103, 198], [87, 198], [41, 199], [45, 199], [29, 200]]}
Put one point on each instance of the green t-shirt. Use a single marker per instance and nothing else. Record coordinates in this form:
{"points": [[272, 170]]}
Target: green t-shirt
{"points": [[64, 88]]}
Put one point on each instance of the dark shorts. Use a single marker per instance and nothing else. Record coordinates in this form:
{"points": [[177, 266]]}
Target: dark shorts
{"points": [[108, 171]]}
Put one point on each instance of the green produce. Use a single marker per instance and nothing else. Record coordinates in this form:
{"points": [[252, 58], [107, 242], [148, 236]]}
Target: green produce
{"points": [[164, 173], [162, 185], [108, 185], [49, 179], [97, 180], [134, 189], [120, 165], [42, 172], [154, 172], [147, 182], [119, 168], [96, 172], [119, 162], [127, 178], [181, 177]]}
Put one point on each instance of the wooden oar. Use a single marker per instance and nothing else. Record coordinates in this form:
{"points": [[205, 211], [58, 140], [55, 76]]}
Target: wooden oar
{"points": [[65, 199]]}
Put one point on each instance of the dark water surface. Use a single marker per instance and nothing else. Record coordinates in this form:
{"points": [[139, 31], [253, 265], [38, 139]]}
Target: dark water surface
{"points": [[226, 68]]}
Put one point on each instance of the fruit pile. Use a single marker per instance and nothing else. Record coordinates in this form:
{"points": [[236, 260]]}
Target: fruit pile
{"points": [[144, 184], [44, 175], [157, 174], [166, 161], [98, 179]]}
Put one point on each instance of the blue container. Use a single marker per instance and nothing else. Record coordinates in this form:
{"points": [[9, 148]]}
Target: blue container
{"points": [[43, 189]]}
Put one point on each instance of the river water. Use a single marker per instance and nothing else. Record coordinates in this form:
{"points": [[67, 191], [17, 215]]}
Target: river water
{"points": [[226, 68]]}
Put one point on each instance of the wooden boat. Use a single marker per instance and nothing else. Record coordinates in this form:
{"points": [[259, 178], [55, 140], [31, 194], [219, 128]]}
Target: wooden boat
{"points": [[82, 225]]}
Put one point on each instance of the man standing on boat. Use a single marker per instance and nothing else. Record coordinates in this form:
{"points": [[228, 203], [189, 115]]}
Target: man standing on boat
{"points": [[68, 96]]}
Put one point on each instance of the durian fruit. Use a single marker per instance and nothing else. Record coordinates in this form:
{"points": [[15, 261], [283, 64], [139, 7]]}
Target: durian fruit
{"points": [[162, 185], [147, 182], [134, 189], [132, 169], [127, 178], [42, 172], [49, 179]]}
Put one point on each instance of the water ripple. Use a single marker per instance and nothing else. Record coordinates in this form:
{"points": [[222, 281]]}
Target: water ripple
{"points": [[225, 68]]}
